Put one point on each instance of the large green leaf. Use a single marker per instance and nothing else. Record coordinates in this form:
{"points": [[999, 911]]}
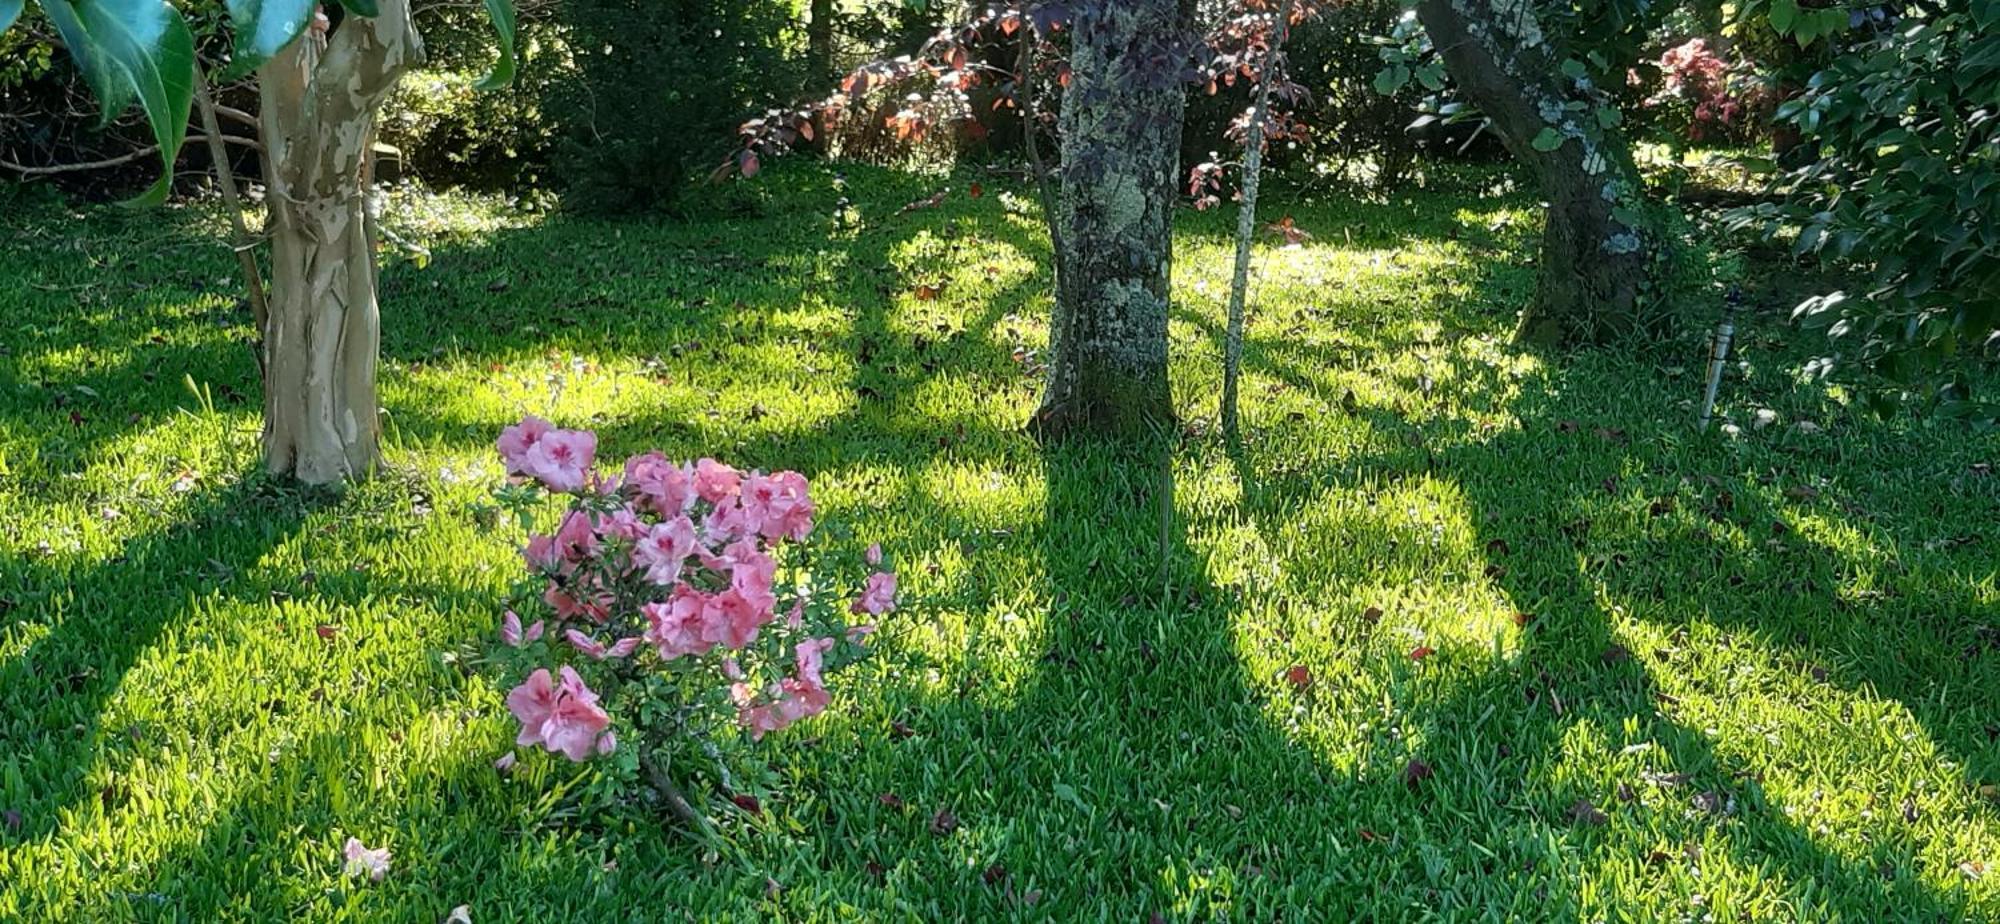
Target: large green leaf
{"points": [[502, 14], [113, 92], [10, 10], [264, 27], [136, 48]]}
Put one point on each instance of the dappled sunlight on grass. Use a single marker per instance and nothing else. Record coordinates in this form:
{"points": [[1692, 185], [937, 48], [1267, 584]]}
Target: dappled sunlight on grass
{"points": [[1644, 672]]}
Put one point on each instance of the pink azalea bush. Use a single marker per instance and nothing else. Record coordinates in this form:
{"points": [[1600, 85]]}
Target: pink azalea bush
{"points": [[671, 603]]}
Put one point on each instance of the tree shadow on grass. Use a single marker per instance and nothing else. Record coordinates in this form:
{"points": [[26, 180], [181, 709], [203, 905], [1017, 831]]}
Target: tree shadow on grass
{"points": [[1653, 582], [91, 623]]}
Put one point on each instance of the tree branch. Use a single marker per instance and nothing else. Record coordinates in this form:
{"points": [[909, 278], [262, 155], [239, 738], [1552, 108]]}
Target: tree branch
{"points": [[125, 158]]}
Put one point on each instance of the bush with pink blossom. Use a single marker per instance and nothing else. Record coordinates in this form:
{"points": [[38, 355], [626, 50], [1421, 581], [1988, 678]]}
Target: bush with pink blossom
{"points": [[1708, 98], [674, 609]]}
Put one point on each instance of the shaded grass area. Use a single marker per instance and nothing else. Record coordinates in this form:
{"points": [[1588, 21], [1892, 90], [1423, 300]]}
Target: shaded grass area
{"points": [[1562, 658]]}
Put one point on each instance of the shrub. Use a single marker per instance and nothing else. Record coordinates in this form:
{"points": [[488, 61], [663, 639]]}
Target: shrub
{"points": [[1704, 97], [658, 90], [674, 609]]}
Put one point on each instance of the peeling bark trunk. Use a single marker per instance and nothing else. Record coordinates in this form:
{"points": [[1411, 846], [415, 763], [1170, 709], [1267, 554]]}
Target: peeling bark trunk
{"points": [[319, 98], [1121, 128], [1593, 264]]}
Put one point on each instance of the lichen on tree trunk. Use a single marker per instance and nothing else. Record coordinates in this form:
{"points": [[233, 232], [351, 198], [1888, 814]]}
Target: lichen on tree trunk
{"points": [[1596, 250], [319, 100], [1121, 125]]}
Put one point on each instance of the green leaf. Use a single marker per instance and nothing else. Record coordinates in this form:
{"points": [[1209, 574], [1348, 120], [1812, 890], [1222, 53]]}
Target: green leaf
{"points": [[138, 48], [1783, 14], [1431, 75], [1608, 117], [264, 27], [1573, 69], [361, 7], [1391, 79], [113, 93], [502, 14], [1547, 141], [10, 10]]}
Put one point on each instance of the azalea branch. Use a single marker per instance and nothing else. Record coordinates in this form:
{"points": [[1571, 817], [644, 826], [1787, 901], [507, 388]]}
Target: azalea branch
{"points": [[670, 793]]}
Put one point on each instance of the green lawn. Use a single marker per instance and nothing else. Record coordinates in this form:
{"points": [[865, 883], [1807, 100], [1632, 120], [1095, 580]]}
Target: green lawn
{"points": [[1673, 676]]}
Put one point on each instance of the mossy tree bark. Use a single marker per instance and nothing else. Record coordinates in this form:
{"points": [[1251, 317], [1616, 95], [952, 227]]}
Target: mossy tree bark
{"points": [[320, 96], [1596, 248], [1121, 132]]}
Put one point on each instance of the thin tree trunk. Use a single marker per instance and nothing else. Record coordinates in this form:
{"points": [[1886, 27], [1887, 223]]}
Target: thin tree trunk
{"points": [[240, 240], [819, 40], [1121, 127], [1246, 220], [1595, 256], [320, 98]]}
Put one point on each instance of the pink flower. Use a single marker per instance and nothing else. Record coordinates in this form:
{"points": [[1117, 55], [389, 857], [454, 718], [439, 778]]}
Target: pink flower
{"points": [[726, 522], [576, 540], [797, 699], [663, 487], [714, 481], [563, 718], [362, 861], [751, 572], [731, 619], [542, 555], [560, 459], [515, 441], [512, 633], [878, 596], [598, 650], [777, 505], [874, 554], [623, 523], [505, 762], [810, 657], [569, 604], [665, 548], [607, 742], [675, 627]]}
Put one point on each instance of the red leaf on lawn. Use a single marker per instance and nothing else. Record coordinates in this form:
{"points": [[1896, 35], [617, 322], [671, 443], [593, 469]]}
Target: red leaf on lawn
{"points": [[891, 800], [1371, 615], [326, 632], [1300, 677], [1421, 652], [748, 803], [994, 874], [1584, 813], [1415, 772], [1522, 619], [944, 822], [1369, 836], [975, 190]]}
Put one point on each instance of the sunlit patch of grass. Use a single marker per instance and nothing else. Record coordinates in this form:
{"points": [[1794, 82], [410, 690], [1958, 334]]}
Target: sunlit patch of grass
{"points": [[1562, 657]]}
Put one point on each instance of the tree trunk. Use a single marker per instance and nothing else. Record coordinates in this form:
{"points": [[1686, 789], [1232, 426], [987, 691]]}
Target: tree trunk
{"points": [[319, 100], [1595, 254], [1121, 128], [819, 40]]}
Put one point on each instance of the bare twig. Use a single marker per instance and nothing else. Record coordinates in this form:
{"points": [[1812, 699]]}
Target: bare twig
{"points": [[125, 158]]}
